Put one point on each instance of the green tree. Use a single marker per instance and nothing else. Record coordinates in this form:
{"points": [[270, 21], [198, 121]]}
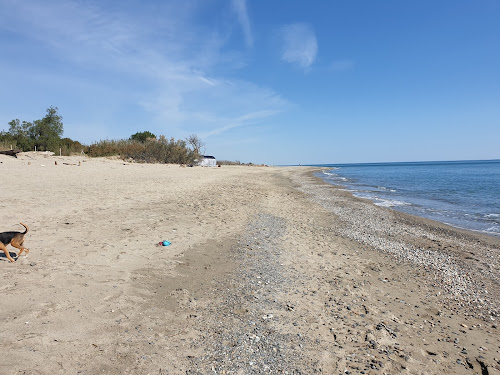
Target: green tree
{"points": [[19, 134], [142, 136], [18, 129], [47, 132]]}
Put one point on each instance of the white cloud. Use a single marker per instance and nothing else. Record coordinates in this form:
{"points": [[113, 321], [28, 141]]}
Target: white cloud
{"points": [[214, 109], [160, 62], [244, 120], [240, 7], [299, 44]]}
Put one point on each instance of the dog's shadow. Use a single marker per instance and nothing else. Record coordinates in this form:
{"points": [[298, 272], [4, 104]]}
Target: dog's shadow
{"points": [[3, 257]]}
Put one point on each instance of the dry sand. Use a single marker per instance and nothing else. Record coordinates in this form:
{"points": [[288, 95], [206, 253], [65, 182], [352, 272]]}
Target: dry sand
{"points": [[269, 271]]}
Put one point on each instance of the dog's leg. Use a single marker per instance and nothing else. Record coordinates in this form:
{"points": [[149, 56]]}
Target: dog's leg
{"points": [[25, 250], [6, 251], [20, 246]]}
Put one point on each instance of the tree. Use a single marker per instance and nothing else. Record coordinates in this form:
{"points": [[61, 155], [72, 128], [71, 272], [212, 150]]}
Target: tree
{"points": [[47, 131], [18, 129], [19, 134], [196, 143], [45, 134], [142, 136]]}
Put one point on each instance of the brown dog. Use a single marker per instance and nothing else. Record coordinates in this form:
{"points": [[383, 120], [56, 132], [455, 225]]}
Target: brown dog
{"points": [[16, 239]]}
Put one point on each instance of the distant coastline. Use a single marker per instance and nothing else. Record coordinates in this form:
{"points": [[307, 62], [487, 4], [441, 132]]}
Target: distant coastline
{"points": [[395, 163]]}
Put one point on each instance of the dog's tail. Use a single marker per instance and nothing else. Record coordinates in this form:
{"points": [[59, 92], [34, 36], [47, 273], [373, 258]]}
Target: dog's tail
{"points": [[24, 225]]}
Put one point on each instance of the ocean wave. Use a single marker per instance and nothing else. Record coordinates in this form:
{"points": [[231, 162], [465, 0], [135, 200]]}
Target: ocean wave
{"points": [[492, 230], [390, 203], [492, 215], [385, 188], [334, 176], [495, 230]]}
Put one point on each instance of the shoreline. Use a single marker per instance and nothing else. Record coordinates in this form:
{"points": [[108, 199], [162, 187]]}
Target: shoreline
{"points": [[412, 201], [270, 270], [482, 235]]}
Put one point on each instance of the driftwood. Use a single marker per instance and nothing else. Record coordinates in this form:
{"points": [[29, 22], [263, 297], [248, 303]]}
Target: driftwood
{"points": [[11, 152]]}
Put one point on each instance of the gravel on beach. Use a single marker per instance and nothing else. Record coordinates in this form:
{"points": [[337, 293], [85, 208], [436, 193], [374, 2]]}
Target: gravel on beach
{"points": [[256, 326], [242, 337], [474, 285]]}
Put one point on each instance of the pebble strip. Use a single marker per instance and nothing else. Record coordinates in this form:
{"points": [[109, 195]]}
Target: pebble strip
{"points": [[244, 336], [377, 227]]}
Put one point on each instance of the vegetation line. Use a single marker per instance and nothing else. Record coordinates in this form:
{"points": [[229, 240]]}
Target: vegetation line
{"points": [[45, 135]]}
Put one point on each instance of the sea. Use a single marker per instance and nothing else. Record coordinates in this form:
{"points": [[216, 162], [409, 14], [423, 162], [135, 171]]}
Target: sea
{"points": [[463, 194]]}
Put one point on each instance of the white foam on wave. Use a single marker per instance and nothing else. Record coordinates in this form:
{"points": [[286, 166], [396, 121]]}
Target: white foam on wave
{"points": [[490, 233], [391, 203], [492, 229], [334, 176], [386, 189], [492, 215]]}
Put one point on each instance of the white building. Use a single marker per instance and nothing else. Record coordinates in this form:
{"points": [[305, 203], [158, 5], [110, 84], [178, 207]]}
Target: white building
{"points": [[207, 161]]}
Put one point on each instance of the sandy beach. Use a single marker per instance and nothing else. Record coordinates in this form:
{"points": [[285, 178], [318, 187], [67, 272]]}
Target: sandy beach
{"points": [[269, 271]]}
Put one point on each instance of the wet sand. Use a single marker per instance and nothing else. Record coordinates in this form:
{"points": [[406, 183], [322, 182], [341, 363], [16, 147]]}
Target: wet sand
{"points": [[269, 271]]}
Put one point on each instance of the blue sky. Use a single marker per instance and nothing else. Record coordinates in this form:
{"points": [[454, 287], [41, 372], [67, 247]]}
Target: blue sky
{"points": [[277, 82]]}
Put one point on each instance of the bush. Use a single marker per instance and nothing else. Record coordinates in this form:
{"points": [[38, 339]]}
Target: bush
{"points": [[70, 147], [143, 136], [5, 144], [151, 151], [228, 162]]}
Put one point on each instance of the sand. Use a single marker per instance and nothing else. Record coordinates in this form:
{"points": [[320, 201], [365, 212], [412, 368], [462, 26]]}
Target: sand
{"points": [[269, 271]]}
